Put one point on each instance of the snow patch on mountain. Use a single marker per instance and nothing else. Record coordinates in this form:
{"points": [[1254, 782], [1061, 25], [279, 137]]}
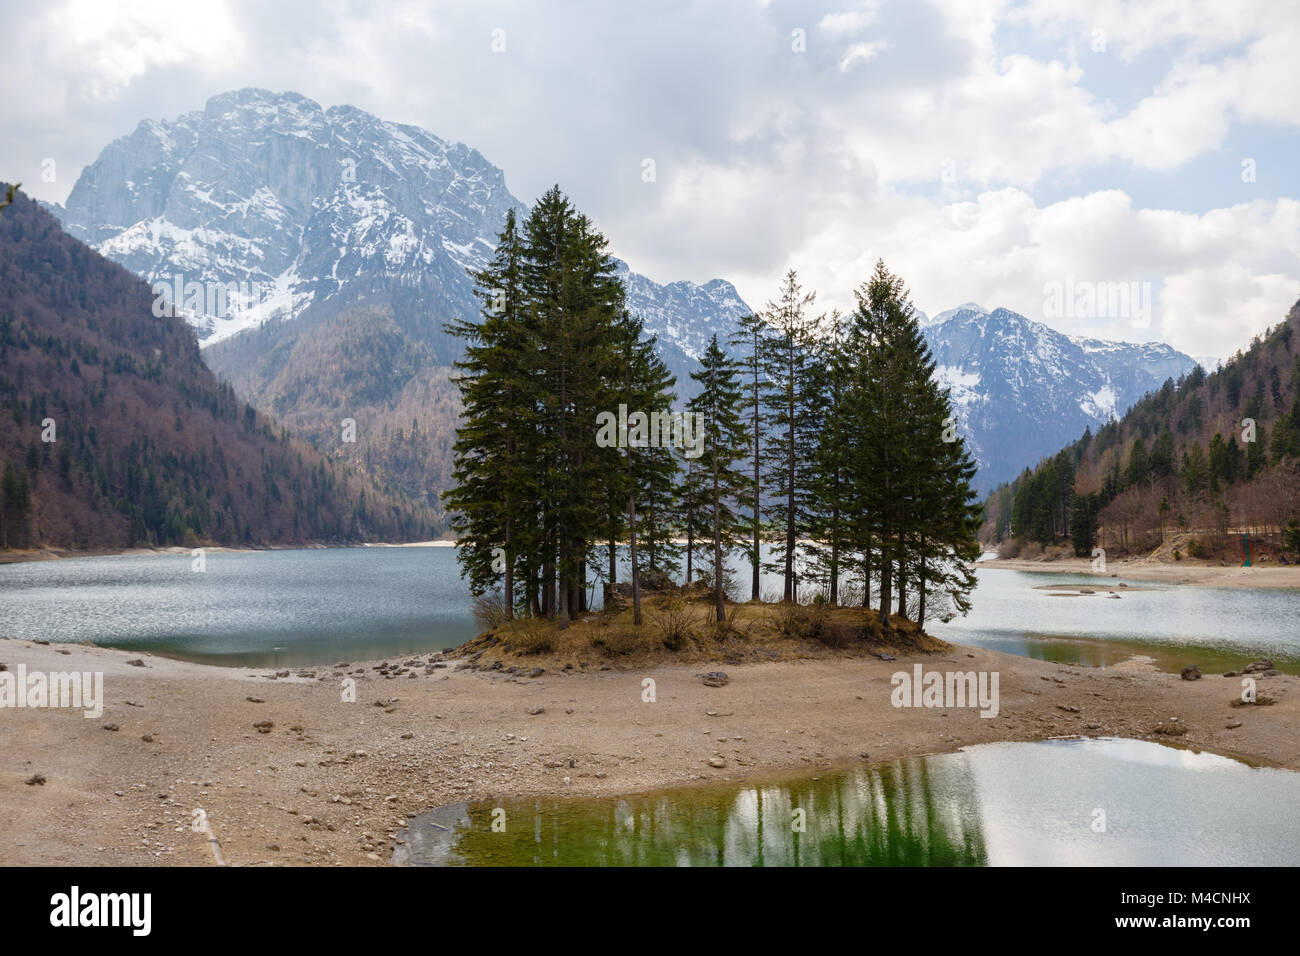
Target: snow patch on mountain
{"points": [[307, 205], [1022, 390]]}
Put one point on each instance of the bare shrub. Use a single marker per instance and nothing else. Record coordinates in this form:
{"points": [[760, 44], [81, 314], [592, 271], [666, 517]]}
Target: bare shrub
{"points": [[817, 620], [851, 594], [674, 623], [791, 619], [489, 610]]}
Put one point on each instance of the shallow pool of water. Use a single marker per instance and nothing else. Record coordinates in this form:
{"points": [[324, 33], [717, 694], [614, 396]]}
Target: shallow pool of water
{"points": [[1078, 802]]}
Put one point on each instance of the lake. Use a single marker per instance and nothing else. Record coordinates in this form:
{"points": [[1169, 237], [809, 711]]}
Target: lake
{"points": [[1215, 628], [314, 606], [1080, 802], [260, 608]]}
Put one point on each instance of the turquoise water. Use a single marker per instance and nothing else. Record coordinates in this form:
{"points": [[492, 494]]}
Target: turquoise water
{"points": [[1086, 802]]}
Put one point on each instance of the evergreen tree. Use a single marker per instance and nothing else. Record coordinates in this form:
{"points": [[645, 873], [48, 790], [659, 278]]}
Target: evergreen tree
{"points": [[15, 501], [1139, 465], [787, 457], [1286, 434], [495, 498], [828, 529], [1083, 524], [547, 357], [752, 334], [1195, 471], [650, 465], [1256, 456], [717, 481], [909, 491], [575, 301], [1162, 455]]}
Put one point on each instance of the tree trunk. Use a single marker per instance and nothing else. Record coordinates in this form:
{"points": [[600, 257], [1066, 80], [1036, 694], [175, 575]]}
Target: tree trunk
{"points": [[720, 608], [548, 589], [509, 585], [866, 579], [920, 614], [754, 594], [902, 577], [791, 586], [636, 572], [886, 586], [690, 526]]}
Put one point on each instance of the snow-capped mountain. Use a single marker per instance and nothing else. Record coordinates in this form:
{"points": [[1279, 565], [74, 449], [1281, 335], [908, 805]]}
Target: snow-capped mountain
{"points": [[1023, 391], [296, 208], [300, 214]]}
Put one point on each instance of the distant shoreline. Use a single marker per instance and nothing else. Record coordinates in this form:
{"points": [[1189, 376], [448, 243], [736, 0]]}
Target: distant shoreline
{"points": [[1184, 572], [14, 556]]}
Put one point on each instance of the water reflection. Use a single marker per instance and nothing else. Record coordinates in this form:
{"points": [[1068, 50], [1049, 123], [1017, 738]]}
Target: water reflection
{"points": [[1076, 802]]}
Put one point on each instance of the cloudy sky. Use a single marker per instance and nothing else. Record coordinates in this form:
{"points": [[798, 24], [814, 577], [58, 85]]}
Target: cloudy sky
{"points": [[985, 149]]}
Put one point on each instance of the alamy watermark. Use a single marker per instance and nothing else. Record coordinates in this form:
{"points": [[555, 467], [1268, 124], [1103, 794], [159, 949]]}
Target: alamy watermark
{"points": [[682, 430], [1083, 299], [75, 908], [83, 690], [220, 299], [951, 689]]}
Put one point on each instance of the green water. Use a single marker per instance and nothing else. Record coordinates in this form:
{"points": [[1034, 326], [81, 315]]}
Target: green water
{"points": [[1084, 802]]}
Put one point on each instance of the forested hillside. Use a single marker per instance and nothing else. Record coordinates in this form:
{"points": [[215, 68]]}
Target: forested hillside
{"points": [[1197, 463], [114, 433], [357, 364]]}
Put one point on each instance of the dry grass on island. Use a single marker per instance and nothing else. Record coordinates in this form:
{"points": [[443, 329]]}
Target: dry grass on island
{"points": [[679, 627]]}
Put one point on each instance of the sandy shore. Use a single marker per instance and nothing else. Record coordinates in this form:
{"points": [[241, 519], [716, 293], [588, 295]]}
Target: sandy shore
{"points": [[332, 782], [1184, 572]]}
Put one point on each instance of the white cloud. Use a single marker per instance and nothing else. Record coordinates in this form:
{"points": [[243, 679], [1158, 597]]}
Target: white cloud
{"points": [[824, 160], [861, 53], [115, 42], [850, 22]]}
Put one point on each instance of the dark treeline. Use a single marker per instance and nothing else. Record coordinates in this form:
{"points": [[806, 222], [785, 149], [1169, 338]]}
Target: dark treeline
{"points": [[825, 434], [1213, 454], [113, 433]]}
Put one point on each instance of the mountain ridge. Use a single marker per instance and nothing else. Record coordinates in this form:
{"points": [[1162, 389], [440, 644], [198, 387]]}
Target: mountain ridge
{"points": [[987, 358], [331, 210]]}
